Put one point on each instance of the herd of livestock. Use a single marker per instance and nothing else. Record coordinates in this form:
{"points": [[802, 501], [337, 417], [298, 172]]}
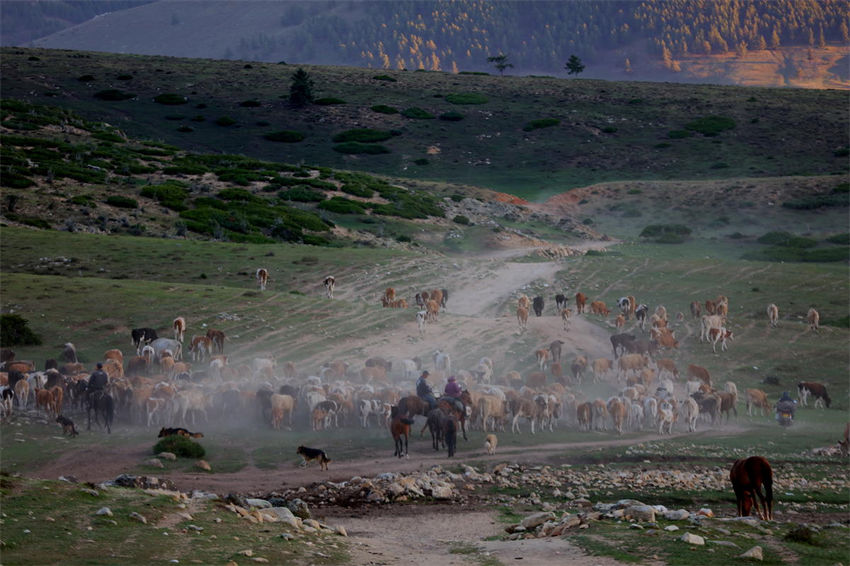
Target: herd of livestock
{"points": [[157, 386]]}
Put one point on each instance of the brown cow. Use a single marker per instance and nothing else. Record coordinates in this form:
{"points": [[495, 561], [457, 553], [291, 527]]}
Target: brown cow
{"points": [[813, 318], [696, 309], [565, 317], [543, 357], [666, 365], [700, 373], [620, 321], [617, 410], [756, 398], [581, 301], [217, 339], [522, 318], [432, 309], [598, 307], [747, 477], [816, 390], [601, 366], [584, 415]]}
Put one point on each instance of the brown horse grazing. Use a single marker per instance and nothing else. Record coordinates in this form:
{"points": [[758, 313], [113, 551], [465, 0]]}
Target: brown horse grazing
{"points": [[748, 475], [400, 429]]}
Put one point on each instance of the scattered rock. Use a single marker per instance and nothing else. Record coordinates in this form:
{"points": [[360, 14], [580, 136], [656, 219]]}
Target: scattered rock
{"points": [[154, 462], [104, 511], [202, 464], [755, 553], [138, 517], [170, 456], [691, 538], [537, 519]]}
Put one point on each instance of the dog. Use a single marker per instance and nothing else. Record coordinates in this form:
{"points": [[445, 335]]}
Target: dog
{"points": [[67, 426], [179, 432], [490, 443], [310, 454]]}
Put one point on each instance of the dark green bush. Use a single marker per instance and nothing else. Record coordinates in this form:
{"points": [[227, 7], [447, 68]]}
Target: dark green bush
{"points": [[171, 194], [384, 78], [841, 152], [286, 136], [811, 202], [420, 161], [302, 194], [85, 78], [358, 148], [662, 145], [239, 195], [250, 104], [840, 239], [540, 123], [466, 98], [15, 331], [461, 219], [113, 94], [328, 101], [358, 190], [15, 181], [417, 114], [711, 125], [451, 116], [342, 206], [363, 135], [179, 446], [666, 233], [185, 129], [678, 134], [786, 240], [170, 99], [225, 121], [121, 201], [82, 200], [609, 130], [384, 109]]}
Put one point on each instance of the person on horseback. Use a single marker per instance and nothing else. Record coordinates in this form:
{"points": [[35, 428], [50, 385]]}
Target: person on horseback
{"points": [[453, 392], [98, 379], [424, 391]]}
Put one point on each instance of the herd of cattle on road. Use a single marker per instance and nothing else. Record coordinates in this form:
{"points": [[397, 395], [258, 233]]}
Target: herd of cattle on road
{"points": [[157, 386]]}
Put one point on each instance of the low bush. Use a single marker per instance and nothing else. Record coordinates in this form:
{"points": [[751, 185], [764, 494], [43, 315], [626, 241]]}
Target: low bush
{"points": [[85, 78], [540, 123], [417, 114], [466, 98], [811, 202], [711, 125], [666, 233], [285, 136], [328, 101], [302, 194], [609, 130], [384, 78], [363, 135], [342, 205], [384, 109], [678, 134], [171, 194], [360, 148], [113, 95], [15, 331], [786, 240], [15, 181], [250, 104], [225, 121], [179, 446], [420, 161], [170, 99], [461, 219], [840, 239], [121, 201], [451, 116]]}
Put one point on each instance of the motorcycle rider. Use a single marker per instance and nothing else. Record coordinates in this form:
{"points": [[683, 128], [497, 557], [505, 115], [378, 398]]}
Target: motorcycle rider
{"points": [[785, 405]]}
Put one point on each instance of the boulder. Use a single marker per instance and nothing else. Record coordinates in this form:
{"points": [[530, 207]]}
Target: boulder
{"points": [[755, 553], [691, 538], [644, 513], [537, 519], [679, 515], [299, 508]]}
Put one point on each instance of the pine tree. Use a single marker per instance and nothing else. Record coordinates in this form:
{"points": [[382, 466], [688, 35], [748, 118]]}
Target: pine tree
{"points": [[574, 65], [500, 61], [301, 89]]}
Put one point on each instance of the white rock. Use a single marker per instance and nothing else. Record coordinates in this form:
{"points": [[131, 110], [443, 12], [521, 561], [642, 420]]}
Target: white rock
{"points": [[691, 538], [755, 553], [537, 519], [671, 528], [104, 511]]}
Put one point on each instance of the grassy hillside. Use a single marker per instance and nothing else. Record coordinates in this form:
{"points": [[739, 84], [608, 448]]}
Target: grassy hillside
{"points": [[532, 137]]}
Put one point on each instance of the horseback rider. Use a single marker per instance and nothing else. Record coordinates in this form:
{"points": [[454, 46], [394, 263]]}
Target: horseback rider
{"points": [[97, 380], [424, 391], [453, 392]]}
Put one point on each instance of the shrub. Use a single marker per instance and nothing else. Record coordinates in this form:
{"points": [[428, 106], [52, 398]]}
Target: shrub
{"points": [[678, 134], [328, 101], [420, 161], [451, 116], [666, 233], [811, 202], [662, 145], [358, 190], [15, 181], [250, 104], [384, 109], [384, 78], [342, 206], [417, 113], [840, 239], [113, 95], [466, 98], [225, 121], [609, 130], [461, 219], [358, 148], [171, 194], [82, 200], [540, 123], [85, 78], [363, 135], [841, 152], [15, 331], [302, 194], [170, 99], [786, 240], [238, 195], [711, 125], [285, 136], [121, 201], [179, 446]]}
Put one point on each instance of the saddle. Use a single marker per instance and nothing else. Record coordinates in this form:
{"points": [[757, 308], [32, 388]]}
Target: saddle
{"points": [[458, 404]]}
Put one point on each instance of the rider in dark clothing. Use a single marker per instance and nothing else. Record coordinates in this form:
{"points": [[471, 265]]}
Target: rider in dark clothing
{"points": [[785, 405], [424, 391], [453, 391], [98, 379]]}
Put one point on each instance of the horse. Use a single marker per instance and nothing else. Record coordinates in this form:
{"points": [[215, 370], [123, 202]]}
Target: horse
{"points": [[413, 405], [447, 404], [747, 476], [443, 427], [100, 402], [400, 429]]}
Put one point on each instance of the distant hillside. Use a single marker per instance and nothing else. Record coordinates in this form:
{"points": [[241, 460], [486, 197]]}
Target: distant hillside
{"points": [[777, 43], [530, 137]]}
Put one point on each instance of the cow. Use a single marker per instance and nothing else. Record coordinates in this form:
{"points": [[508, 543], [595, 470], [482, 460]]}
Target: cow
{"points": [[160, 345], [555, 350], [756, 398], [69, 354], [626, 307], [620, 321], [666, 417], [690, 412], [772, 315], [581, 301], [420, 321], [262, 276], [200, 347], [437, 296], [537, 305], [696, 309], [560, 302], [598, 307], [388, 296], [813, 318], [640, 315], [601, 367], [329, 282], [666, 365], [523, 301], [632, 362], [699, 373], [445, 298], [432, 309], [179, 326], [747, 477], [619, 342], [531, 409], [721, 335], [816, 390], [522, 318], [578, 366], [584, 415], [709, 321], [217, 340], [141, 337], [442, 361], [492, 409], [565, 317], [543, 356], [617, 410]]}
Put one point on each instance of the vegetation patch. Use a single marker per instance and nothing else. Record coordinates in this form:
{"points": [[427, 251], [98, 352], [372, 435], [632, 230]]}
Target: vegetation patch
{"points": [[786, 240], [285, 136], [225, 121], [179, 446], [384, 109], [466, 98], [250, 103], [711, 125], [451, 116], [15, 331], [540, 123], [417, 113], [342, 205], [384, 78], [666, 233], [113, 95], [302, 194], [170, 99], [122, 201], [328, 101], [360, 148], [679, 134], [171, 194], [363, 135]]}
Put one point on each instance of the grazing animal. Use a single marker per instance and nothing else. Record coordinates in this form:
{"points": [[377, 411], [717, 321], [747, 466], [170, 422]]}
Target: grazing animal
{"points": [[100, 403], [69, 353], [179, 326], [581, 302], [523, 301], [709, 322], [400, 430], [262, 276], [565, 316], [748, 477], [620, 321], [445, 298], [178, 431], [420, 321], [522, 318], [700, 373], [200, 347], [696, 309], [282, 406], [666, 365], [67, 426], [813, 318], [310, 454], [537, 305], [598, 307], [490, 443], [555, 350], [601, 367], [161, 345], [543, 357], [142, 337], [619, 343], [560, 302], [432, 309], [721, 335], [640, 315], [772, 315], [756, 398], [584, 416], [217, 339], [617, 410], [329, 282], [816, 390], [690, 412]]}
